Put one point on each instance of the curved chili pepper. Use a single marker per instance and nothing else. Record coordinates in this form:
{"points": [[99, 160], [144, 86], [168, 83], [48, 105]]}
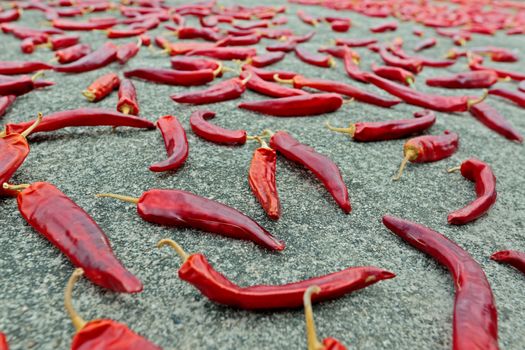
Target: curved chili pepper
{"points": [[257, 84], [173, 77], [287, 46], [394, 73], [127, 98], [341, 26], [269, 74], [261, 178], [311, 334], [6, 102], [295, 106], [226, 90], [426, 62], [176, 144], [22, 67], [197, 271], [389, 130], [475, 65], [17, 86], [475, 322], [324, 61], [194, 63], [425, 44], [358, 42], [492, 119], [101, 87], [99, 58], [202, 128], [435, 102], [197, 33], [481, 174], [352, 69], [300, 82], [128, 51], [322, 167], [184, 209], [72, 53], [428, 148], [514, 96], [384, 27], [243, 40], [266, 59], [100, 333], [467, 80], [65, 24], [69, 228], [410, 64], [306, 18], [62, 41], [225, 53], [81, 117], [512, 257], [28, 46]]}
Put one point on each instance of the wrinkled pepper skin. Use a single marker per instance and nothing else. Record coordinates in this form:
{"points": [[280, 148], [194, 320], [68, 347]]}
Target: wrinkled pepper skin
{"points": [[105, 55], [127, 98], [492, 119], [14, 149], [213, 133], [183, 209], [296, 106], [102, 87], [109, 335], [469, 80], [67, 226], [73, 53], [512, 257], [224, 91], [322, 167], [22, 67], [432, 148], [475, 322], [261, 177], [172, 76], [483, 177], [176, 144]]}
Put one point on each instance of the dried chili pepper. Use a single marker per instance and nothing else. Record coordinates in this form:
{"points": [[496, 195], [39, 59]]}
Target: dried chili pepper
{"points": [[384, 27], [9, 15], [225, 53], [340, 26], [101, 87], [127, 98], [514, 96], [481, 174], [195, 63], [243, 40], [261, 178], [394, 73], [6, 102], [197, 33], [72, 53], [502, 73], [22, 67], [62, 41], [184, 209], [306, 18], [65, 24], [311, 334], [475, 322], [352, 69], [389, 130], [300, 82], [202, 128], [468, 80], [324, 61], [173, 77], [287, 46], [435, 102], [425, 62], [176, 144], [268, 75], [101, 333], [28, 46], [425, 44], [322, 167], [17, 86], [410, 64], [295, 106], [428, 148], [357, 42], [75, 234], [99, 58], [303, 38], [81, 117], [492, 119], [266, 60], [197, 271], [128, 51], [512, 257], [226, 90]]}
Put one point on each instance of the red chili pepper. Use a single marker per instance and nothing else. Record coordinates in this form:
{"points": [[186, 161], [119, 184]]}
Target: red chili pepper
{"points": [[72, 53], [9, 15], [352, 69], [322, 167], [6, 102], [428, 148], [514, 96], [418, 32], [14, 149], [384, 27], [493, 120], [21, 85], [512, 257], [100, 333], [303, 38], [124, 33], [127, 98], [244, 40], [81, 117], [22, 67], [340, 52], [145, 40], [306, 18], [269, 74], [225, 53], [300, 82], [394, 73], [3, 342], [257, 84], [325, 61], [180, 48], [62, 41], [481, 174], [226, 90], [127, 51], [184, 209], [173, 77], [102, 87], [99, 58], [425, 44], [360, 42], [311, 334], [266, 59], [75, 234], [468, 80], [194, 63], [202, 128], [296, 106], [65, 24], [261, 178], [496, 54], [176, 144], [198, 33], [475, 321], [411, 64], [28, 46], [287, 46], [277, 33], [341, 26], [389, 130], [197, 271], [430, 101], [473, 65], [426, 62]]}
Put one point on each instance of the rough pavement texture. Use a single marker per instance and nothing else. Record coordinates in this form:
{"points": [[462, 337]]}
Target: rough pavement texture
{"points": [[412, 311]]}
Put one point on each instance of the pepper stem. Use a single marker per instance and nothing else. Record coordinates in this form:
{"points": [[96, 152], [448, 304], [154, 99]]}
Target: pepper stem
{"points": [[471, 103], [78, 322], [218, 70], [454, 169], [409, 155], [125, 109], [178, 249], [89, 95], [350, 130], [19, 188], [245, 80], [29, 130], [282, 81], [133, 200], [37, 75], [311, 334], [331, 62], [410, 81]]}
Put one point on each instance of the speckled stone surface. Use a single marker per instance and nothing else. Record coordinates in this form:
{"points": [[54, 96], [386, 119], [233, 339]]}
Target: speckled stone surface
{"points": [[412, 311]]}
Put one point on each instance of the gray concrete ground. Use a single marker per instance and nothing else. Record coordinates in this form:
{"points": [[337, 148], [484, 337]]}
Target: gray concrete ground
{"points": [[412, 311]]}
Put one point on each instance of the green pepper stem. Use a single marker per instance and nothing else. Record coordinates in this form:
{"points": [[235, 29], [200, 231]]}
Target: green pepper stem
{"points": [[78, 322], [482, 98], [19, 188], [410, 154], [454, 169], [175, 246], [129, 199], [311, 333], [350, 130], [282, 81]]}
